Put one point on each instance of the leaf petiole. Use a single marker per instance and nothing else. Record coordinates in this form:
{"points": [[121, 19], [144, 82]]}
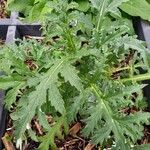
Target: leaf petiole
{"points": [[141, 77]]}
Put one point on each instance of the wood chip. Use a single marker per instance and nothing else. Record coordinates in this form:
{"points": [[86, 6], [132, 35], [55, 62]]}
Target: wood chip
{"points": [[7, 143], [35, 37], [75, 129], [89, 146], [38, 127], [49, 118], [71, 142]]}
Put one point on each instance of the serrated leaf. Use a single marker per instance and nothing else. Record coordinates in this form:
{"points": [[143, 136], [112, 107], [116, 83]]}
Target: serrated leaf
{"points": [[18, 114], [42, 120], [12, 94], [102, 134], [113, 6], [8, 82], [70, 74], [92, 121], [75, 107], [56, 130], [38, 97], [115, 124], [128, 90], [138, 117], [56, 99]]}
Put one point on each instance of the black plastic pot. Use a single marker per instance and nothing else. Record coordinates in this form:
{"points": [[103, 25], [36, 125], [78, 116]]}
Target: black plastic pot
{"points": [[2, 116], [3, 36], [7, 33], [11, 29], [142, 29]]}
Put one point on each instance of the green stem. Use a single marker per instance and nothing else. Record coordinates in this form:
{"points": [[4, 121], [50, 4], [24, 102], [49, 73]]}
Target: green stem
{"points": [[125, 68], [141, 77], [101, 9]]}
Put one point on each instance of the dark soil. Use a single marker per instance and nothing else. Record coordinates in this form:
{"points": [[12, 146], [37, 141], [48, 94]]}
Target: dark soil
{"points": [[73, 141], [3, 12], [146, 138], [2, 42]]}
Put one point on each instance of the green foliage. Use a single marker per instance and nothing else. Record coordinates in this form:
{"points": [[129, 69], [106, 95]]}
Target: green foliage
{"points": [[20, 5], [35, 10], [80, 68], [137, 8], [56, 130], [32, 9], [142, 147]]}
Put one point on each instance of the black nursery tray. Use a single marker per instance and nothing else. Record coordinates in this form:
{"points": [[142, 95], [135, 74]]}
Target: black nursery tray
{"points": [[22, 28], [142, 28], [3, 35], [11, 29], [4, 23], [2, 116]]}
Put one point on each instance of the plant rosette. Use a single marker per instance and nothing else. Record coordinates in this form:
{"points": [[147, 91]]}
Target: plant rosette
{"points": [[87, 67]]}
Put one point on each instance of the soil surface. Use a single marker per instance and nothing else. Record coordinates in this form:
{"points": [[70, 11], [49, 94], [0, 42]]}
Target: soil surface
{"points": [[2, 42], [73, 141]]}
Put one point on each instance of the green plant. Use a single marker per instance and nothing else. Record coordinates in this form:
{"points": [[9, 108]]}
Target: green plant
{"points": [[87, 64], [37, 9]]}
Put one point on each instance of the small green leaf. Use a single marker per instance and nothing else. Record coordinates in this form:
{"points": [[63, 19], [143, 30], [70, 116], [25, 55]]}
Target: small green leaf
{"points": [[83, 5], [8, 82], [70, 74], [56, 99], [101, 135], [42, 120], [47, 141], [12, 94]]}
